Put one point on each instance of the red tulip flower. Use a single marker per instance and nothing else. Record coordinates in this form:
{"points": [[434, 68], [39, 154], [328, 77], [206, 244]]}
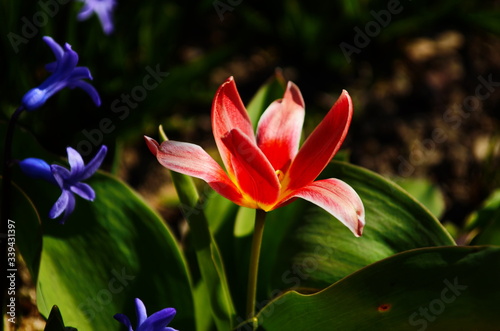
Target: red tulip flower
{"points": [[267, 170]]}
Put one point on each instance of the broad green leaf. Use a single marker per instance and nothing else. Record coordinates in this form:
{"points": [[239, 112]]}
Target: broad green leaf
{"points": [[204, 320], [306, 248], [442, 289], [424, 191], [109, 252], [272, 90], [485, 222]]}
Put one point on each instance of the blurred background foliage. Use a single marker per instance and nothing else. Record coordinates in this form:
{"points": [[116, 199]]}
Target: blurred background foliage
{"points": [[408, 81]]}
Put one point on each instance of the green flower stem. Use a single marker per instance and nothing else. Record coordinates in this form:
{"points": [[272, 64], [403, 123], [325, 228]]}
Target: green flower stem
{"points": [[260, 217]]}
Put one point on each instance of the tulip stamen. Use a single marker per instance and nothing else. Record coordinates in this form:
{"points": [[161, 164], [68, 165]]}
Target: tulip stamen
{"points": [[280, 175]]}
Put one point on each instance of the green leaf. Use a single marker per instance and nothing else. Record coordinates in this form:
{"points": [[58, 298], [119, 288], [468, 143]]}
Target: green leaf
{"points": [[485, 222], [424, 191], [204, 320], [445, 289], [306, 248], [109, 252], [207, 253]]}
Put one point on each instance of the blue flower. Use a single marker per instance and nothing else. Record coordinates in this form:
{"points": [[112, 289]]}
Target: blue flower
{"points": [[69, 181], [65, 73], [156, 322], [103, 10]]}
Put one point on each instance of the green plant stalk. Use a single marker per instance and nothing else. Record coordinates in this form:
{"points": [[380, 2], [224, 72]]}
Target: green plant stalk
{"points": [[207, 252], [260, 217]]}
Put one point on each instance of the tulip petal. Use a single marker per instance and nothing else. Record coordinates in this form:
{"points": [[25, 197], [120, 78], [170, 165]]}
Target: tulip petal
{"points": [[228, 112], [320, 147], [253, 172], [280, 127], [337, 198], [192, 160]]}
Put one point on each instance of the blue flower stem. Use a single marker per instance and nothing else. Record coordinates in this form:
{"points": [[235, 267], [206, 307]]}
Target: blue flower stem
{"points": [[253, 271], [6, 206]]}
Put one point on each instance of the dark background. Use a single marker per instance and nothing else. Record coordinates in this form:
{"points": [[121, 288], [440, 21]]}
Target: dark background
{"points": [[408, 79]]}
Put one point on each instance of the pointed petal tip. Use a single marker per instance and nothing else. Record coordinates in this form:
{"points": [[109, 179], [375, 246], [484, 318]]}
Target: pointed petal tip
{"points": [[347, 97], [293, 92], [103, 149], [361, 225], [228, 83], [339, 199], [361, 219], [152, 145]]}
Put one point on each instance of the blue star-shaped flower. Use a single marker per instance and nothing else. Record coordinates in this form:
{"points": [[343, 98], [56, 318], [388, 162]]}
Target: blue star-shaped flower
{"points": [[70, 181], [103, 10], [156, 322], [65, 73]]}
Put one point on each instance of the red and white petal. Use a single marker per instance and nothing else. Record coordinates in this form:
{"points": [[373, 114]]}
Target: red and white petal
{"points": [[228, 112], [337, 198], [254, 174], [280, 127], [320, 147], [192, 160]]}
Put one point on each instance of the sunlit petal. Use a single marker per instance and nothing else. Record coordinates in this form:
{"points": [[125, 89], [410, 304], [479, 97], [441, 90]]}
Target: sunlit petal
{"points": [[254, 174], [192, 160], [337, 198], [280, 127], [228, 112], [320, 147]]}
